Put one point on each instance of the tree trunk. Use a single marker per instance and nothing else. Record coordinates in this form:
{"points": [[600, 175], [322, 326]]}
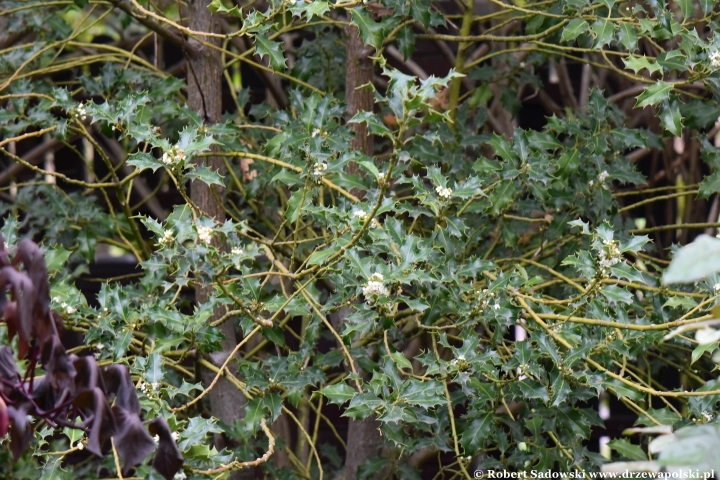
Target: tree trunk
{"points": [[363, 439], [204, 78]]}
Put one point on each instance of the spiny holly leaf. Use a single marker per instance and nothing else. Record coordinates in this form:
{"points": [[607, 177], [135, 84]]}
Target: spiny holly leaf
{"points": [[205, 175], [638, 63], [406, 41], [263, 47], [627, 36], [604, 31], [654, 94], [628, 450], [673, 60], [687, 8], [338, 393], [574, 29], [143, 161], [371, 32], [670, 117]]}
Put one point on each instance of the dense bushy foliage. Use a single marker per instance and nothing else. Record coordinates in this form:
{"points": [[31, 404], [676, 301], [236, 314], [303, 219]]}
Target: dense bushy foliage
{"points": [[473, 284]]}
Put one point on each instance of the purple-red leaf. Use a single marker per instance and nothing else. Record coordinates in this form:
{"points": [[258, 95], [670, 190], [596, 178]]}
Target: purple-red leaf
{"points": [[168, 458], [58, 365], [21, 431], [103, 425], [117, 381], [4, 419], [132, 441]]}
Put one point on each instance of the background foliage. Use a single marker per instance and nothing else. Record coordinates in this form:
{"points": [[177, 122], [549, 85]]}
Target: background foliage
{"points": [[475, 282]]}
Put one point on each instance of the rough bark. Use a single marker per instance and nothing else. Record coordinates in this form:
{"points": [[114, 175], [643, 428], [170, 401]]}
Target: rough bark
{"points": [[363, 439], [358, 72], [204, 78]]}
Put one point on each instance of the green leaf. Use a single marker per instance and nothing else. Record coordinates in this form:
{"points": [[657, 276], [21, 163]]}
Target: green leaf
{"points": [[572, 30], [56, 259], [628, 450], [627, 36], [473, 438], [274, 50], [316, 8], [339, 393], [205, 175], [604, 31], [709, 185], [616, 294], [687, 8], [254, 412], [686, 302], [406, 41], [638, 63], [319, 256], [154, 369], [673, 60], [701, 349], [143, 161], [695, 261], [707, 6], [670, 117], [654, 94], [371, 32]]}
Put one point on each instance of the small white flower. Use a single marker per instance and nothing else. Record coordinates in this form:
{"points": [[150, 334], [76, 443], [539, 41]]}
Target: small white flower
{"points": [[181, 475], [236, 251], [317, 131], [167, 238], [362, 215], [100, 346], [603, 176], [204, 234], [69, 309], [143, 387], [708, 415], [155, 385], [716, 287], [80, 112], [79, 445], [376, 277], [375, 288], [57, 299], [591, 183], [319, 168], [381, 178], [714, 57], [174, 436], [496, 306], [443, 192], [156, 438], [173, 156]]}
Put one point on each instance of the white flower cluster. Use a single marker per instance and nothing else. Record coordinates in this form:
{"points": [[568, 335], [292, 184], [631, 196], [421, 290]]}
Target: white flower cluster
{"points": [[443, 192], [80, 112], [167, 237], [487, 297], [319, 169], [79, 445], [181, 475], [204, 234], [148, 388], [707, 415], [363, 215], [714, 57], [173, 156], [317, 131], [609, 255], [69, 309], [602, 176], [236, 251], [375, 286]]}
